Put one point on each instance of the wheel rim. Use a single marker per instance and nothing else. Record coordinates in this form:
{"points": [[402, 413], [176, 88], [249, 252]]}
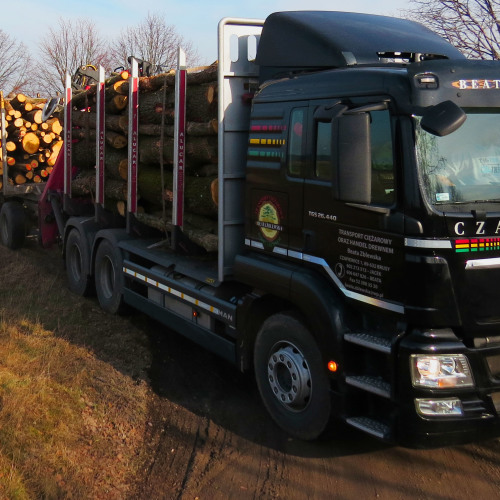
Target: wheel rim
{"points": [[107, 277], [289, 376]]}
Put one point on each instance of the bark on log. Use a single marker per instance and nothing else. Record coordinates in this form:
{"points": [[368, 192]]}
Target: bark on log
{"points": [[118, 123], [201, 104], [34, 116], [18, 101], [201, 236], [199, 150], [116, 104], [192, 128], [85, 186], [195, 76], [84, 156], [113, 139], [197, 193]]}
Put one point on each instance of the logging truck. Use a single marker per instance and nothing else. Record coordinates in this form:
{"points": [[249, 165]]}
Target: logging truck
{"points": [[351, 242]]}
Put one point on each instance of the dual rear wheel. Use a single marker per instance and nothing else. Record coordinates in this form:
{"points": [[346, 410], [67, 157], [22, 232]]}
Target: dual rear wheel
{"points": [[107, 277]]}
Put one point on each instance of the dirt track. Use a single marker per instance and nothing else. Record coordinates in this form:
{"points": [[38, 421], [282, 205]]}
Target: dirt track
{"points": [[209, 437]]}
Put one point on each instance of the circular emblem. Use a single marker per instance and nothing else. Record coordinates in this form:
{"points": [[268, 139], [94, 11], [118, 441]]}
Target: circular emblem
{"points": [[269, 218]]}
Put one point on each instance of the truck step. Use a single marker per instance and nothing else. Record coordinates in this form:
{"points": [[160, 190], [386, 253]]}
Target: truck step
{"points": [[370, 426], [374, 385], [369, 340]]}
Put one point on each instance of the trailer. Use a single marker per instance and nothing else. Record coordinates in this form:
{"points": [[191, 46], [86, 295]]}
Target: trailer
{"points": [[358, 227]]}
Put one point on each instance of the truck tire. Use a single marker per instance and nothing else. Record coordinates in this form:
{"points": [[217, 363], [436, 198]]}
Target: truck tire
{"points": [[108, 277], [12, 225], [77, 256], [291, 378]]}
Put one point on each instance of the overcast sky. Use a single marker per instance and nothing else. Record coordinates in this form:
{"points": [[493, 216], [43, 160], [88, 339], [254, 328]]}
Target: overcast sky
{"points": [[195, 20]]}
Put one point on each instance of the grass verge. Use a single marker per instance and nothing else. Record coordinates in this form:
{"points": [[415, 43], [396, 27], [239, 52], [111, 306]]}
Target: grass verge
{"points": [[71, 424]]}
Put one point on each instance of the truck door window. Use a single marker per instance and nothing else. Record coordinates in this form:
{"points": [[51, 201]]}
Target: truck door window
{"points": [[382, 156], [296, 144], [323, 167]]}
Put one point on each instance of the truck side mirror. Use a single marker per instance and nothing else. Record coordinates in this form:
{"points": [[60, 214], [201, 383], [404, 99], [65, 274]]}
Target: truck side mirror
{"points": [[443, 118], [351, 156]]}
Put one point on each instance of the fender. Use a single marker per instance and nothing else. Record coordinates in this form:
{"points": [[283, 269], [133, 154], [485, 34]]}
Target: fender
{"points": [[307, 290], [113, 235]]}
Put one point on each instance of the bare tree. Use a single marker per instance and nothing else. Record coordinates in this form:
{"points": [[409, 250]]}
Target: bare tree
{"points": [[66, 48], [153, 41], [14, 63], [473, 26]]}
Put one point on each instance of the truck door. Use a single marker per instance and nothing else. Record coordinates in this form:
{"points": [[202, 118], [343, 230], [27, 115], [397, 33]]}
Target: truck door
{"points": [[360, 245], [275, 177]]}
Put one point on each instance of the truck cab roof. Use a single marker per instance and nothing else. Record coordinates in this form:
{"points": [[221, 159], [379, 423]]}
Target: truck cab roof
{"points": [[311, 40]]}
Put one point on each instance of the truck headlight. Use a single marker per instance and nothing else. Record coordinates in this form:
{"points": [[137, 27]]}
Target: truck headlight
{"points": [[440, 371]]}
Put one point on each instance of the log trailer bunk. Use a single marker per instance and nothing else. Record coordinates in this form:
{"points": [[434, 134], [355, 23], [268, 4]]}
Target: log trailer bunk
{"points": [[354, 275]]}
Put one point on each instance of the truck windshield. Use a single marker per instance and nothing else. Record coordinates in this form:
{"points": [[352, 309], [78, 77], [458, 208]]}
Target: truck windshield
{"points": [[463, 167]]}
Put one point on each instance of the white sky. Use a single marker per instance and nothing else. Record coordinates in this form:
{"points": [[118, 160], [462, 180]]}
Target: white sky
{"points": [[195, 20]]}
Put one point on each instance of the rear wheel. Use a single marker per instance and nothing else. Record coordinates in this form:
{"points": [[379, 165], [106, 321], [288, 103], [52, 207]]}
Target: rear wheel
{"points": [[77, 254], [12, 225], [109, 277], [291, 378]]}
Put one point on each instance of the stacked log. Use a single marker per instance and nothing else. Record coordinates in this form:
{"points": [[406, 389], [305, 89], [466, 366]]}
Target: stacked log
{"points": [[32, 144], [156, 146]]}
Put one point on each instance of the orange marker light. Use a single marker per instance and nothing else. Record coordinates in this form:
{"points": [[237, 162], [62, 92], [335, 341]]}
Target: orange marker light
{"points": [[332, 366]]}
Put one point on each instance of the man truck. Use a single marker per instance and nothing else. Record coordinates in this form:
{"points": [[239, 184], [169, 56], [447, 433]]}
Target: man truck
{"points": [[358, 228]]}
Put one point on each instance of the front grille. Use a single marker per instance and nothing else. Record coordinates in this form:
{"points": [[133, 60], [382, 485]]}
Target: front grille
{"points": [[474, 408]]}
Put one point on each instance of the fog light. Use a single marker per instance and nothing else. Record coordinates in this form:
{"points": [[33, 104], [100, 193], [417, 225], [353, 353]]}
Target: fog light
{"points": [[440, 371], [450, 407]]}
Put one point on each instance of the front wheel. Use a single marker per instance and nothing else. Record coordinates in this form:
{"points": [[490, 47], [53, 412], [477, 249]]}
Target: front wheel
{"points": [[291, 378], [108, 277], [12, 225]]}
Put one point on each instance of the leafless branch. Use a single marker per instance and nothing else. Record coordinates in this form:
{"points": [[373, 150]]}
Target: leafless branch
{"points": [[473, 26], [154, 41]]}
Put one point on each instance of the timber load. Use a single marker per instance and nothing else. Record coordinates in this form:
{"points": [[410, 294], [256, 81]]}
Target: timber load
{"points": [[156, 150], [32, 143]]}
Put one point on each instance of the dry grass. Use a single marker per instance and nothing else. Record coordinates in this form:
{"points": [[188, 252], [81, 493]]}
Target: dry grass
{"points": [[71, 425]]}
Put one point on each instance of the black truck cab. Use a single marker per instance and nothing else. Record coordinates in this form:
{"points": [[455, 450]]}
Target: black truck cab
{"points": [[374, 162]]}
